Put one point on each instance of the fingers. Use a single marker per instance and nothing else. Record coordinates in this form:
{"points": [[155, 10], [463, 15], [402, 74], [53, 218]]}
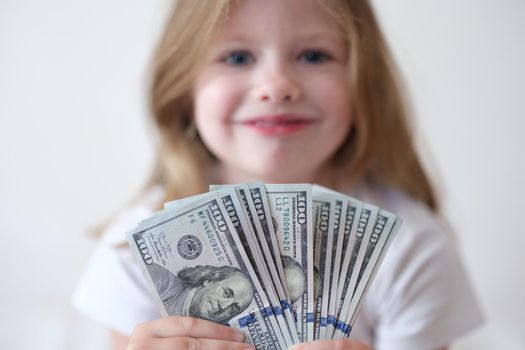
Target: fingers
{"points": [[186, 343], [172, 327], [342, 344]]}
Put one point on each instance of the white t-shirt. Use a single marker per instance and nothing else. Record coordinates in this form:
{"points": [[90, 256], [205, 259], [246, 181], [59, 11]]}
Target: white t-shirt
{"points": [[420, 299]]}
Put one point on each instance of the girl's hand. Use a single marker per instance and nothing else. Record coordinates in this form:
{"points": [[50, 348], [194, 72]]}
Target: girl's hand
{"points": [[185, 333], [343, 344]]}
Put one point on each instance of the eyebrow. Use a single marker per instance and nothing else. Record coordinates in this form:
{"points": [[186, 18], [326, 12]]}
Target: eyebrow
{"points": [[306, 36], [320, 35]]}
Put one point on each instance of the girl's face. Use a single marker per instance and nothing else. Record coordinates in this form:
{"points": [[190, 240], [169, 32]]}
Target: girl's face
{"points": [[272, 100]]}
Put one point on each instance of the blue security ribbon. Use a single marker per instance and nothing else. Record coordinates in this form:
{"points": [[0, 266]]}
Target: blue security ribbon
{"points": [[247, 320], [277, 310], [285, 304], [309, 317], [340, 325], [267, 311]]}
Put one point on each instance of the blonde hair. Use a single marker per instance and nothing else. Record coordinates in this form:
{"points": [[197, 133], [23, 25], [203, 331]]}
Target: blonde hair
{"points": [[378, 149]]}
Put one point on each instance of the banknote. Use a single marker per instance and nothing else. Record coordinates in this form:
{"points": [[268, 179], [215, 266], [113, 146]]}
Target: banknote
{"points": [[194, 261], [283, 263], [339, 213], [344, 229], [262, 211], [354, 253], [259, 246], [290, 213], [353, 212], [382, 226], [273, 309], [385, 228], [266, 232], [323, 223]]}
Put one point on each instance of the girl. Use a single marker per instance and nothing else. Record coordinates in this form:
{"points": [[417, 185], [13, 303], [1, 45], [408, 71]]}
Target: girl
{"points": [[285, 91]]}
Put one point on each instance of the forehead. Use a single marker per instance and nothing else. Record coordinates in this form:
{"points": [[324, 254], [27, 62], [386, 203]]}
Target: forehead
{"points": [[278, 19], [241, 287], [236, 279]]}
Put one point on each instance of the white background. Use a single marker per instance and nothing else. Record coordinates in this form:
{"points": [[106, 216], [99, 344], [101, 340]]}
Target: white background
{"points": [[75, 145]]}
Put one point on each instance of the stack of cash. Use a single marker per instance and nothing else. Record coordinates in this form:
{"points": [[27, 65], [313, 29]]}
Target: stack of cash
{"points": [[282, 263]]}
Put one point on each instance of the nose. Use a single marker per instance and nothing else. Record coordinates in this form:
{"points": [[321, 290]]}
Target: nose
{"points": [[276, 84], [223, 304]]}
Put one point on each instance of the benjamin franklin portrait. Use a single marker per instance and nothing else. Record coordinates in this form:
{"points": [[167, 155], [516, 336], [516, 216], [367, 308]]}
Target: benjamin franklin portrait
{"points": [[295, 278], [209, 292]]}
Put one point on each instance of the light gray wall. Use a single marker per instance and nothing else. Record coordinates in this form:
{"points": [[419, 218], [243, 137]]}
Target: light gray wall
{"points": [[74, 144], [463, 61]]}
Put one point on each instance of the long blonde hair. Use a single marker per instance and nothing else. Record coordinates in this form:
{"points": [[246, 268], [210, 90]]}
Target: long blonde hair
{"points": [[379, 148]]}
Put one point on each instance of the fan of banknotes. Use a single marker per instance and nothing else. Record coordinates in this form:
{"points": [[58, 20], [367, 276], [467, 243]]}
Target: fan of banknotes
{"points": [[282, 263]]}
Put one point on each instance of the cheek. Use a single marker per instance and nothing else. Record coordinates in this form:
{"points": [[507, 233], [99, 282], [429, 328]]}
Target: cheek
{"points": [[212, 292], [334, 96], [216, 100]]}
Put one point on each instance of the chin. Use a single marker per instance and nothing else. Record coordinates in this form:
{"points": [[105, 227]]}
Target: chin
{"points": [[271, 169], [299, 169], [278, 174]]}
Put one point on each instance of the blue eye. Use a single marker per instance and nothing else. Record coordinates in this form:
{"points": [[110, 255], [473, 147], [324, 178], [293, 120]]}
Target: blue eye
{"points": [[314, 56], [239, 58]]}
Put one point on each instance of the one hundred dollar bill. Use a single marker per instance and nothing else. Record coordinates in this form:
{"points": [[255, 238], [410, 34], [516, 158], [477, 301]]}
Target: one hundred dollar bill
{"points": [[197, 267], [259, 247], [237, 214], [385, 227], [262, 211], [339, 213], [273, 310], [346, 236], [354, 254], [323, 223], [290, 208], [352, 215], [293, 262]]}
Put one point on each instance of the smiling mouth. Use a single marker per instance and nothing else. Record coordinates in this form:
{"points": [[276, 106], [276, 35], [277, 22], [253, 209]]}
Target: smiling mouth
{"points": [[277, 125], [269, 123]]}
